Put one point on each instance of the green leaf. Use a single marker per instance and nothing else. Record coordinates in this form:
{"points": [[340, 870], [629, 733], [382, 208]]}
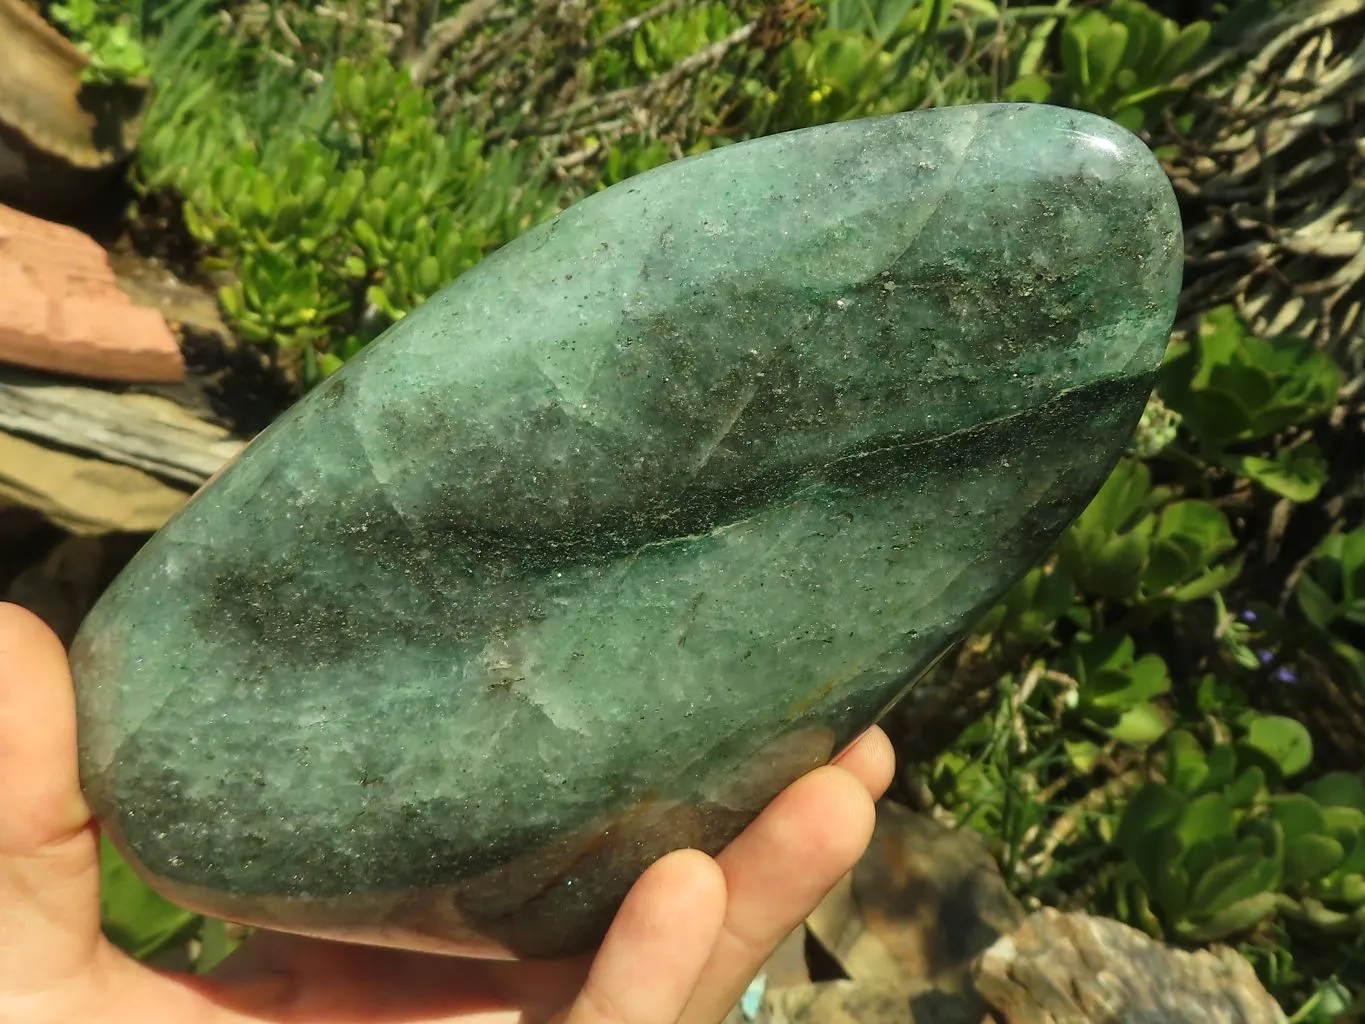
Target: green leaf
{"points": [[354, 96], [329, 363], [1352, 889], [133, 917], [1189, 538], [1199, 525], [1248, 785], [1314, 601], [1152, 809], [1146, 39], [1221, 335], [232, 301], [1235, 919], [1295, 473], [889, 16], [1217, 418], [1212, 580], [264, 196], [1123, 497], [1283, 740], [1171, 882], [1186, 766], [1140, 725], [217, 943], [1110, 651], [1299, 815], [1310, 857], [1234, 879], [1029, 89], [197, 223], [1117, 567], [1149, 677], [1205, 818], [1104, 53], [1222, 762], [429, 278], [1345, 823], [1075, 41], [366, 236], [1133, 118], [1152, 806], [1183, 51], [1082, 754], [1337, 789]]}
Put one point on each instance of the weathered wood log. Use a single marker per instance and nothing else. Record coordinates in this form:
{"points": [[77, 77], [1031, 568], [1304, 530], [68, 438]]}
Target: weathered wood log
{"points": [[83, 495], [146, 432], [94, 461]]}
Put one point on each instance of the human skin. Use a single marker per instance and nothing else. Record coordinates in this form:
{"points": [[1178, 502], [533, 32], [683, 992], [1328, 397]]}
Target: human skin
{"points": [[690, 936]]}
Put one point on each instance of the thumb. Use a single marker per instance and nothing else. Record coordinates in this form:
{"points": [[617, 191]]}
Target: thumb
{"points": [[49, 852]]}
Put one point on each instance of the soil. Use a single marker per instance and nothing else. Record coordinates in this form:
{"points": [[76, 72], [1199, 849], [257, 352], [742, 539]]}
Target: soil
{"points": [[243, 391]]}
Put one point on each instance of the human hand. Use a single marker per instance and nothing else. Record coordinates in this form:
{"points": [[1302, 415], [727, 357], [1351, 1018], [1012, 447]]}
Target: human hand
{"points": [[684, 946]]}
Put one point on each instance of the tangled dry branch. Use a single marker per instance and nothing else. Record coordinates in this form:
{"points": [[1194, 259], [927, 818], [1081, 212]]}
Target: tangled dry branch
{"points": [[1271, 175]]}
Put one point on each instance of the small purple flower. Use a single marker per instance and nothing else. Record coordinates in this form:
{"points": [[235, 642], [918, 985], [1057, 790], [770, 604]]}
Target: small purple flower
{"points": [[1266, 657], [1284, 674], [1248, 616]]}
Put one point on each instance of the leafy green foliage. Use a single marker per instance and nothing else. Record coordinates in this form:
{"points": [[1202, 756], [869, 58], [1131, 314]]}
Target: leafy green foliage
{"points": [[865, 59], [1232, 389], [662, 43], [1330, 597], [1118, 60], [135, 918], [1127, 759], [333, 207], [1134, 544], [336, 231], [657, 49], [1115, 688], [111, 42], [145, 925], [1219, 849]]}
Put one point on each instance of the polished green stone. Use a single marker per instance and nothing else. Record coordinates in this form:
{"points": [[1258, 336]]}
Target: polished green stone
{"points": [[642, 518]]}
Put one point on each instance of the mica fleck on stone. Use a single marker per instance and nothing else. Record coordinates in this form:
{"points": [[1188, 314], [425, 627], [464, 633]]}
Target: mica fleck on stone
{"points": [[648, 514]]}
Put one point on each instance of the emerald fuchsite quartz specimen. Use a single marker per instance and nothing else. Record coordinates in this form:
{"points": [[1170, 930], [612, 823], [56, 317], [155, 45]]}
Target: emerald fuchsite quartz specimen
{"points": [[642, 518]]}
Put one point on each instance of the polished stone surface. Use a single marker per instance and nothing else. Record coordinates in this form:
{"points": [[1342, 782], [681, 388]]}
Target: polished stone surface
{"points": [[645, 516]]}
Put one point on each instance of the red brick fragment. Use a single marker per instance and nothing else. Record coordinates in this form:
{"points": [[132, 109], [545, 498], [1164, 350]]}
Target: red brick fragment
{"points": [[62, 311]]}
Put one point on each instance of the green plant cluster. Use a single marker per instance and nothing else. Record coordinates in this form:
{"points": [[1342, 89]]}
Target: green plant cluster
{"points": [[327, 234], [332, 201], [110, 40], [660, 45], [1237, 392], [1330, 598], [1220, 847], [860, 58], [1134, 757], [866, 59], [1120, 60]]}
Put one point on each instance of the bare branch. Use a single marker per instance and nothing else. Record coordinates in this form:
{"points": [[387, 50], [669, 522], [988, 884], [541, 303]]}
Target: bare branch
{"points": [[446, 34]]}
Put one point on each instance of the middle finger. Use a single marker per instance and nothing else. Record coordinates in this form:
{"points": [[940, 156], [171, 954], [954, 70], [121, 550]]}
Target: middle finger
{"points": [[776, 873]]}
